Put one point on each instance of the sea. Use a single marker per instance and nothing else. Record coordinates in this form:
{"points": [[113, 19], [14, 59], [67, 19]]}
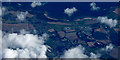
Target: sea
{"points": [[56, 9]]}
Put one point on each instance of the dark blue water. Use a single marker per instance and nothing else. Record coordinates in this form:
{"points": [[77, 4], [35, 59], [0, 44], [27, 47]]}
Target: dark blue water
{"points": [[56, 9], [83, 9]]}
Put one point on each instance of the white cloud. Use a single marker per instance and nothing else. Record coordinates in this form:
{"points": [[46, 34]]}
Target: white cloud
{"points": [[108, 47], [109, 22], [24, 46], [78, 52], [0, 44], [34, 4], [70, 11], [8, 0], [22, 15], [93, 6], [2, 10], [23, 31], [0, 39], [19, 4], [92, 55], [9, 53]]}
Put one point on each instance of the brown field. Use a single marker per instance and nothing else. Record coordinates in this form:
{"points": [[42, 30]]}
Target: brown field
{"points": [[58, 23], [16, 27]]}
